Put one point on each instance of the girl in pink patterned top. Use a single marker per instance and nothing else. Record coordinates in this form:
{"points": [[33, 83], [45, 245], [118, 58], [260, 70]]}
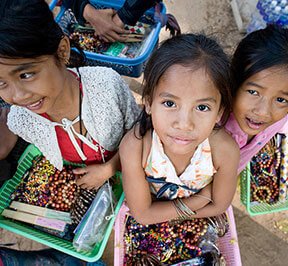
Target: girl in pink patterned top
{"points": [[178, 147], [260, 90]]}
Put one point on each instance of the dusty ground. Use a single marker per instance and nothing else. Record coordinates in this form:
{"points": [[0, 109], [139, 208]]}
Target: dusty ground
{"points": [[261, 239]]}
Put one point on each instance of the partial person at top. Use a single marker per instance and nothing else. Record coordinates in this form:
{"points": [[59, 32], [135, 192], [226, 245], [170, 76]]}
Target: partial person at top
{"points": [[109, 23]]}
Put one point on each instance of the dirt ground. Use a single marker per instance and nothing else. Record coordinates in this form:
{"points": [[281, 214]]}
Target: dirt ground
{"points": [[262, 239]]}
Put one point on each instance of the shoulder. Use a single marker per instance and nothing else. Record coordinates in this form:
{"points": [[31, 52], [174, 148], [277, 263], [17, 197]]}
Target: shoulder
{"points": [[95, 70], [131, 142], [134, 148], [104, 80], [99, 74], [223, 146], [220, 139]]}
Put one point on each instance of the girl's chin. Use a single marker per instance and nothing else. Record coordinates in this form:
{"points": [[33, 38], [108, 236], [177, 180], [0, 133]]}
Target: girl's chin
{"points": [[251, 132]]}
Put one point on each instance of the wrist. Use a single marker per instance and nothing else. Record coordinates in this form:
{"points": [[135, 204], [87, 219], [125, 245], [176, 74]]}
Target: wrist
{"points": [[111, 168]]}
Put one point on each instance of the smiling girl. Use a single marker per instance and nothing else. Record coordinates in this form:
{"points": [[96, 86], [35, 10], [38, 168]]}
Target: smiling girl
{"points": [[178, 147], [260, 90], [79, 115]]}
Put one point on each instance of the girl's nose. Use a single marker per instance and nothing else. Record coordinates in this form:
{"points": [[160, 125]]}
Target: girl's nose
{"points": [[19, 95], [184, 120], [262, 108]]}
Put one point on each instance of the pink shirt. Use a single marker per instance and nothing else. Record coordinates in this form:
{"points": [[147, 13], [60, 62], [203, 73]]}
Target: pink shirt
{"points": [[247, 151]]}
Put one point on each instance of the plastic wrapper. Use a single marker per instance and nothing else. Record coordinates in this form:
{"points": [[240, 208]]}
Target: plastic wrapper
{"points": [[91, 229]]}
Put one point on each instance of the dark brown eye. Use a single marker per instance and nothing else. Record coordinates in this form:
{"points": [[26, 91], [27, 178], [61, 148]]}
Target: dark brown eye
{"points": [[281, 100], [202, 108], [169, 104], [26, 75]]}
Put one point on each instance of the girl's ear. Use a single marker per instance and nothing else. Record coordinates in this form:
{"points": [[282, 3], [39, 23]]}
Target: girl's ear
{"points": [[63, 50], [219, 116], [147, 106]]}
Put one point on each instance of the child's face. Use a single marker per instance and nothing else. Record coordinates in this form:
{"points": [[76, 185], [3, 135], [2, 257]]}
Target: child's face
{"points": [[184, 109], [262, 100], [34, 83]]}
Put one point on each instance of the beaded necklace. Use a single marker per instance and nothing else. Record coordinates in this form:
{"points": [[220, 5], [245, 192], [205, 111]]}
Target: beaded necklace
{"points": [[265, 167]]}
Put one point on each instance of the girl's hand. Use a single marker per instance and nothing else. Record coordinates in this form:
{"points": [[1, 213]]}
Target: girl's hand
{"points": [[103, 23], [92, 176]]}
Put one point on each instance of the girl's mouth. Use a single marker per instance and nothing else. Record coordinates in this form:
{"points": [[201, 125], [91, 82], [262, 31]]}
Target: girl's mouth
{"points": [[254, 124], [36, 105], [181, 140]]}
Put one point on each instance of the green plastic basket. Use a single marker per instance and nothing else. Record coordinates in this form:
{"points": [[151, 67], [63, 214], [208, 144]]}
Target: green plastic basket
{"points": [[28, 231], [256, 208]]}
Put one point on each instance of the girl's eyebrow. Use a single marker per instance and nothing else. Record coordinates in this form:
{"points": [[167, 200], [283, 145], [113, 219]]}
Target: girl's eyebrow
{"points": [[23, 67], [284, 92], [208, 99], [255, 85], [168, 95]]}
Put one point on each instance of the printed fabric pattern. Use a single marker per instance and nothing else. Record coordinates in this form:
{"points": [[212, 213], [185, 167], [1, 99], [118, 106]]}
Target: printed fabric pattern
{"points": [[162, 176]]}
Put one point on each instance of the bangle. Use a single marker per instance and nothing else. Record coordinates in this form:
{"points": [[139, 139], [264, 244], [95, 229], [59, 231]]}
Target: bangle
{"points": [[220, 224], [204, 197], [183, 211]]}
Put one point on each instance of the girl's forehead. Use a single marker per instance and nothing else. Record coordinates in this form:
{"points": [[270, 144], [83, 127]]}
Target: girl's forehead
{"points": [[22, 61], [271, 75], [273, 80], [275, 70], [185, 82], [178, 68]]}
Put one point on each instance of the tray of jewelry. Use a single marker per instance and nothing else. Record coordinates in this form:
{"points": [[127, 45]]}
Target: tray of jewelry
{"points": [[264, 182], [44, 204], [127, 58], [190, 242]]}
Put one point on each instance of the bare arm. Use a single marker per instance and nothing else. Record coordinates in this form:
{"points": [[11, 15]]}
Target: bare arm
{"points": [[137, 190], [226, 157]]}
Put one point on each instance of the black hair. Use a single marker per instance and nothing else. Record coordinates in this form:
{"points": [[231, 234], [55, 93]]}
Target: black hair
{"points": [[189, 50], [259, 50], [28, 29]]}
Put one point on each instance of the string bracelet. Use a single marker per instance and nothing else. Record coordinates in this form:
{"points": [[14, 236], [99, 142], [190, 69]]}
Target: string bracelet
{"points": [[204, 197]]}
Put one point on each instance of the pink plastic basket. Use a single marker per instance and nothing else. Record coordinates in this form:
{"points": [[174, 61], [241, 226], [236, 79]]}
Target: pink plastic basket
{"points": [[228, 244]]}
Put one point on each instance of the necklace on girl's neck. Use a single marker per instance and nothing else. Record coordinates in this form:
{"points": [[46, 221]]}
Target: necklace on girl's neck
{"points": [[80, 107]]}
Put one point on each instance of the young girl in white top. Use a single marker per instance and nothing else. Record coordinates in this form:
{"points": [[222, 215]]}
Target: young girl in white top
{"points": [[178, 149]]}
